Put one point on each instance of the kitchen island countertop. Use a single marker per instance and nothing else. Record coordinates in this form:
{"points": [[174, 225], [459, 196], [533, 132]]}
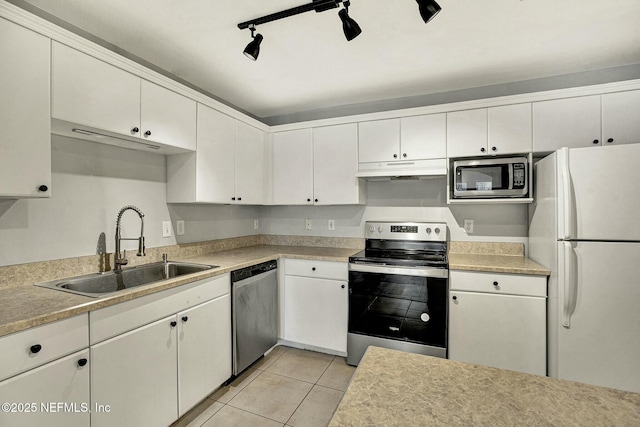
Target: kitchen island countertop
{"points": [[394, 388]]}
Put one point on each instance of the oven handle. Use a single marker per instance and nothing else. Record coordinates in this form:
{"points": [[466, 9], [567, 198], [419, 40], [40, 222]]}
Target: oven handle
{"points": [[404, 271]]}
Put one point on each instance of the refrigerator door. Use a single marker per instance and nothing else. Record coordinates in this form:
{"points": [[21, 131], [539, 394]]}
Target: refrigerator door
{"points": [[599, 316], [597, 198]]}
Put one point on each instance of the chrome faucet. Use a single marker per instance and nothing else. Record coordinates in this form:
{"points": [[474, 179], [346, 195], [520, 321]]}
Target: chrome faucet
{"points": [[120, 260]]}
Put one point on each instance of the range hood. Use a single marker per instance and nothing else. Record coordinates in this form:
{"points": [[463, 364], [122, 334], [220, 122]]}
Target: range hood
{"points": [[410, 169]]}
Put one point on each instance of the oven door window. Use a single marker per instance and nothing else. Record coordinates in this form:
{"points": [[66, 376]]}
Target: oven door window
{"points": [[399, 307], [482, 178]]}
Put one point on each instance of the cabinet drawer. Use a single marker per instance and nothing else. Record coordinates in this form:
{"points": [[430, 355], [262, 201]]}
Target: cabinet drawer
{"points": [[117, 319], [19, 352], [514, 284], [320, 269]]}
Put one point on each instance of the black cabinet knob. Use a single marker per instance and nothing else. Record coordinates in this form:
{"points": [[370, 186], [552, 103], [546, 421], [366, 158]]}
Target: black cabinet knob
{"points": [[395, 156], [147, 133], [596, 141], [342, 286], [185, 318], [35, 348], [308, 200], [316, 200], [313, 269], [455, 298], [82, 362], [239, 198], [43, 188], [233, 198], [495, 283], [135, 130], [404, 155], [173, 324], [482, 150], [610, 140], [494, 149]]}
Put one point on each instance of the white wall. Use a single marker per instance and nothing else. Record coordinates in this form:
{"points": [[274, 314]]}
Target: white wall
{"points": [[90, 184]]}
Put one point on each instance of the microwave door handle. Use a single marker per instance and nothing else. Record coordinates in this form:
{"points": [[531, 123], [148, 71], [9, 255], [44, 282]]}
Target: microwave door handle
{"points": [[510, 184]]}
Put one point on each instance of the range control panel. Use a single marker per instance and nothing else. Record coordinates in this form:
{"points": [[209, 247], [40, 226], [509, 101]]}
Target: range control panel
{"points": [[424, 231]]}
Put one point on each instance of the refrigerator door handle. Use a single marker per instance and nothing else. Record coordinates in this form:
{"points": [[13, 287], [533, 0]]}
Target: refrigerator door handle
{"points": [[567, 195], [570, 285]]}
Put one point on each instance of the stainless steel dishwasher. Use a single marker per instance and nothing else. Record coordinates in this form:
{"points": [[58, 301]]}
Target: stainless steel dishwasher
{"points": [[254, 293]]}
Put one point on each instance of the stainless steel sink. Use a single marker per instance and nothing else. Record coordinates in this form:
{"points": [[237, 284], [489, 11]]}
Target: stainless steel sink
{"points": [[101, 284]]}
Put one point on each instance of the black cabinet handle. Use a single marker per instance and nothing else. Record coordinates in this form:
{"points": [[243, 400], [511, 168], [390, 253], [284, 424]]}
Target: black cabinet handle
{"points": [[395, 156], [596, 141], [313, 269], [308, 200], [147, 133], [482, 150], [342, 286], [404, 155], [610, 140], [455, 298], [494, 149], [316, 200], [495, 283], [239, 198], [43, 188], [185, 318], [173, 324], [233, 198], [35, 348], [135, 130], [82, 362]]}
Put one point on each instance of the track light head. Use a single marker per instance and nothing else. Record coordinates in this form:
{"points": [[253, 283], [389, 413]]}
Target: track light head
{"points": [[349, 26], [253, 48], [428, 9]]}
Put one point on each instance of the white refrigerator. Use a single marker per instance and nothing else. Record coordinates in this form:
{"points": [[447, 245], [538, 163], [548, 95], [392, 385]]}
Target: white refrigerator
{"points": [[584, 226]]}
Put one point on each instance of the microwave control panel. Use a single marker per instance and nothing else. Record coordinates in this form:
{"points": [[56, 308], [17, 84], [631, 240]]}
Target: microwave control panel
{"points": [[519, 175]]}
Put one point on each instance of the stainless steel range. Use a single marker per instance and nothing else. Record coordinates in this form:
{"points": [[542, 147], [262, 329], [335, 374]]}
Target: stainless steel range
{"points": [[398, 289]]}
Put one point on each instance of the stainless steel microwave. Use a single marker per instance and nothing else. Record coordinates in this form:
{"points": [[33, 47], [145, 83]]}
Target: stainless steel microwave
{"points": [[491, 177]]}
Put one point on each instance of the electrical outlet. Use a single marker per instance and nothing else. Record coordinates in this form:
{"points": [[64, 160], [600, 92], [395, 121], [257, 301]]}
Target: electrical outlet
{"points": [[307, 224], [256, 224], [331, 224], [468, 225], [180, 227], [166, 228]]}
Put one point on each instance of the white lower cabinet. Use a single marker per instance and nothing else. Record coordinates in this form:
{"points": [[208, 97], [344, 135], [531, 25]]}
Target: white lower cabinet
{"points": [[316, 304], [204, 350], [498, 320], [55, 394], [134, 377]]}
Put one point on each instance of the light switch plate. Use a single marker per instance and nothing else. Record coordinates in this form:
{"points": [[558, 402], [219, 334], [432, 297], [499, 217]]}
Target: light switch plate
{"points": [[331, 224], [468, 225], [307, 224], [166, 228]]}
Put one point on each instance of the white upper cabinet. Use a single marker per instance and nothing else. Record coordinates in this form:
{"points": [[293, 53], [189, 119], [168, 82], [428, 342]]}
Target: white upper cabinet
{"points": [[167, 117], [92, 95], [317, 166], [293, 167], [621, 117], [379, 141], [423, 137], [228, 167], [489, 131], [569, 122], [335, 163], [25, 119]]}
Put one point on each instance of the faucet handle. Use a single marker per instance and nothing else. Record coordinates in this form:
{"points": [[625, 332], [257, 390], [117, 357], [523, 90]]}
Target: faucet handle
{"points": [[164, 257], [141, 247]]}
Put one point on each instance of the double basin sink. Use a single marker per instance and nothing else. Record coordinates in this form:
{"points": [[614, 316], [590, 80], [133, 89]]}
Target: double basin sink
{"points": [[101, 284]]}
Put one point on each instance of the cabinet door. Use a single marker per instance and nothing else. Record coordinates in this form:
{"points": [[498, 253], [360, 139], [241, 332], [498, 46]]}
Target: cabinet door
{"points": [[510, 129], [167, 117], [62, 381], [379, 141], [204, 350], [25, 119], [315, 312], [424, 137], [335, 163], [293, 167], [215, 159], [570, 122], [250, 158], [90, 92], [467, 133], [621, 117], [136, 375], [503, 331]]}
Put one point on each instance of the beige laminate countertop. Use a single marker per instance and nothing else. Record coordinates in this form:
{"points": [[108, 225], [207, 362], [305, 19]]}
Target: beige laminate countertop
{"points": [[393, 388], [496, 264], [28, 306]]}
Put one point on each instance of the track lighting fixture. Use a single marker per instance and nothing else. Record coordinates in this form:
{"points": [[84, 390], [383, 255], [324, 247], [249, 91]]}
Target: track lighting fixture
{"points": [[428, 10], [253, 48]]}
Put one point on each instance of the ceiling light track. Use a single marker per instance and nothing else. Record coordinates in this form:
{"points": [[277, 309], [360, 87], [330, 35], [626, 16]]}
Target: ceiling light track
{"points": [[428, 10]]}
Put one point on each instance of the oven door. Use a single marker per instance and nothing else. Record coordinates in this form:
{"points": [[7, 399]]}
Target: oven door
{"points": [[405, 304]]}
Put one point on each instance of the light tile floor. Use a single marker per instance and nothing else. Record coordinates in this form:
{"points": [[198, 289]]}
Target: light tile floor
{"points": [[291, 387]]}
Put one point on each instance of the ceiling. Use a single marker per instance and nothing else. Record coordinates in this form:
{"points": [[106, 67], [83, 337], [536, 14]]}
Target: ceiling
{"points": [[306, 64]]}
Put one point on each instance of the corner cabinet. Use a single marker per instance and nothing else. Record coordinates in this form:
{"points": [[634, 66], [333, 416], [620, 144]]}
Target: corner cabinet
{"points": [[498, 320], [25, 119], [317, 166], [316, 304], [227, 168], [92, 96]]}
